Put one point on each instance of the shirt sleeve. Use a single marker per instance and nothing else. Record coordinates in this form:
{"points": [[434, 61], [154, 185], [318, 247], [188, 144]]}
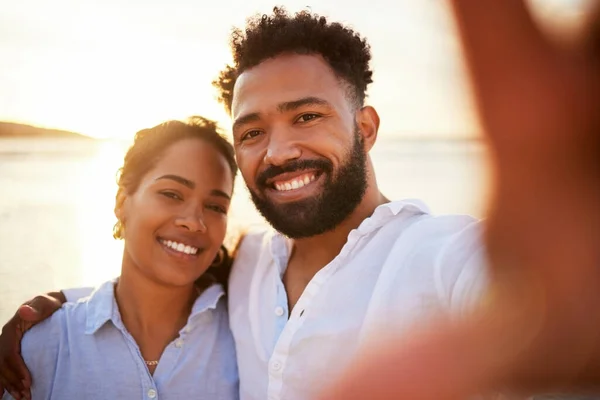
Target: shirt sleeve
{"points": [[462, 276], [74, 294], [40, 348]]}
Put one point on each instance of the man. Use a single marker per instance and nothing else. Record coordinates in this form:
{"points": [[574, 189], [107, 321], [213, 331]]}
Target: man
{"points": [[344, 258]]}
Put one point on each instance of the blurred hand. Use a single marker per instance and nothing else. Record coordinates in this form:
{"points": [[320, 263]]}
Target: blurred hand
{"points": [[14, 375], [539, 328]]}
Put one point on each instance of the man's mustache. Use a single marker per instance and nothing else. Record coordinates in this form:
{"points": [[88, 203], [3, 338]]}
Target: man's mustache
{"points": [[292, 166]]}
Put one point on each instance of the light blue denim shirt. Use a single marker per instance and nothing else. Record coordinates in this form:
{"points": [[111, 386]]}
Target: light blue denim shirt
{"points": [[84, 352]]}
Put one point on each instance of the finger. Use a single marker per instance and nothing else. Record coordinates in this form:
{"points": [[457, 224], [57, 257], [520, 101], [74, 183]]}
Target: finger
{"points": [[28, 313], [18, 367], [9, 381], [499, 38], [39, 308], [504, 50], [12, 334], [593, 35], [11, 374]]}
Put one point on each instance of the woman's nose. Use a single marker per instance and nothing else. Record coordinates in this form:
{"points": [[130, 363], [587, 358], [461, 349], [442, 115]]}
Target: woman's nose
{"points": [[193, 222]]}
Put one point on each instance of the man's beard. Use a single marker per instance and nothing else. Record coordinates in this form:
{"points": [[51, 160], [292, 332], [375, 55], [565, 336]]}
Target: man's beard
{"points": [[322, 213]]}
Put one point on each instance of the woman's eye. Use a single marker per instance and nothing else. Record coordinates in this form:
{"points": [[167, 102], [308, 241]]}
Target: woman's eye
{"points": [[171, 195], [308, 117]]}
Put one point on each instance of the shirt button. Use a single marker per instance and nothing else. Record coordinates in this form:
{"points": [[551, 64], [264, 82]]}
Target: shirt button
{"points": [[151, 393], [279, 311], [179, 343], [276, 365]]}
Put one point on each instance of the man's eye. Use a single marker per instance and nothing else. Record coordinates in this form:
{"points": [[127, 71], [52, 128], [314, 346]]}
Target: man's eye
{"points": [[308, 117], [251, 134], [217, 208]]}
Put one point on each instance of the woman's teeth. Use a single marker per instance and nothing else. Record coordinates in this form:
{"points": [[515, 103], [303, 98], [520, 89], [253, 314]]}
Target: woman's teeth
{"points": [[295, 183], [180, 247]]}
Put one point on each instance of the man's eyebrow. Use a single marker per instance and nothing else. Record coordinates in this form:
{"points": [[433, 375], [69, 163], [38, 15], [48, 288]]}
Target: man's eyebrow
{"points": [[252, 117], [282, 107], [305, 101], [178, 179]]}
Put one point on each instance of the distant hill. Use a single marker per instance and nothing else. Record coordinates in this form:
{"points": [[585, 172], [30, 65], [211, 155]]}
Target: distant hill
{"points": [[14, 130]]}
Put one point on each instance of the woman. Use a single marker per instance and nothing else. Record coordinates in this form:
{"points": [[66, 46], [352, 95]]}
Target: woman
{"points": [[161, 328]]}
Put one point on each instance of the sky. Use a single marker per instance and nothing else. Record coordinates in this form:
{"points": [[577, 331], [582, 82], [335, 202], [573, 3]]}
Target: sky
{"points": [[108, 68]]}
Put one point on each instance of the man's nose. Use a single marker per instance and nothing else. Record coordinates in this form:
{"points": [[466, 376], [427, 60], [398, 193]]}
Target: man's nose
{"points": [[282, 148]]}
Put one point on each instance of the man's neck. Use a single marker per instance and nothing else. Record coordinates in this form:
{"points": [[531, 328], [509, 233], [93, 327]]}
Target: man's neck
{"points": [[321, 249], [311, 254]]}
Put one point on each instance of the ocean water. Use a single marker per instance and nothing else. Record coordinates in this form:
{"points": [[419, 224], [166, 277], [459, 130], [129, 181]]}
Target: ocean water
{"points": [[56, 204]]}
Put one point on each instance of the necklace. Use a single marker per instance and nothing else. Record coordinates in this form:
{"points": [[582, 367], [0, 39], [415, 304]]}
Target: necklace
{"points": [[155, 362]]}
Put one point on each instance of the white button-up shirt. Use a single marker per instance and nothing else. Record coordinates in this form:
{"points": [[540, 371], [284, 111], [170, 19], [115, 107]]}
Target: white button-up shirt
{"points": [[399, 266]]}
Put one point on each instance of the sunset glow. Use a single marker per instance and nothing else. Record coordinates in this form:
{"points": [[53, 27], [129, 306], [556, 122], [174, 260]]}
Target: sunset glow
{"points": [[108, 69]]}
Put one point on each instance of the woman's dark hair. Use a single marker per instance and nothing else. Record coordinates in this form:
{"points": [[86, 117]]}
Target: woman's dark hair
{"points": [[147, 148]]}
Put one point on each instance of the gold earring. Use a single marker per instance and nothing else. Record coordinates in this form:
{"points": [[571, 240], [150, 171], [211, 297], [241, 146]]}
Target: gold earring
{"points": [[118, 230]]}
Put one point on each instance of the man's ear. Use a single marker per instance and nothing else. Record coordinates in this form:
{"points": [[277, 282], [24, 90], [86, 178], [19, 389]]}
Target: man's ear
{"points": [[368, 124]]}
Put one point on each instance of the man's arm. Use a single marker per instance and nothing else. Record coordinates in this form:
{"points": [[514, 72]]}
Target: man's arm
{"points": [[14, 375], [40, 349], [538, 330]]}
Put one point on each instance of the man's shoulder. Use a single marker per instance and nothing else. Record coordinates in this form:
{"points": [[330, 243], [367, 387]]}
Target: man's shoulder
{"points": [[440, 235], [252, 244], [446, 253], [447, 225], [413, 219]]}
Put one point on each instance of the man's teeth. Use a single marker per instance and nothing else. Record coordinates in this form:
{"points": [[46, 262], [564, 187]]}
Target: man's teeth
{"points": [[295, 183], [180, 247]]}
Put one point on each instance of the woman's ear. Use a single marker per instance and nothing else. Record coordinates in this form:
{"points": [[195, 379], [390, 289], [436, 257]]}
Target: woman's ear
{"points": [[120, 205]]}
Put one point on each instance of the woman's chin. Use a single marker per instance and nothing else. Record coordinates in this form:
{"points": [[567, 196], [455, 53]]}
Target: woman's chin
{"points": [[177, 280]]}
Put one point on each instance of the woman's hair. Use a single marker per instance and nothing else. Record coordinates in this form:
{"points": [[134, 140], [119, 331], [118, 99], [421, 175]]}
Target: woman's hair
{"points": [[148, 147]]}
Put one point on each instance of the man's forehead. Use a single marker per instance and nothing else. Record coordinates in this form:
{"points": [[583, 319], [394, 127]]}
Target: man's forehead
{"points": [[283, 79]]}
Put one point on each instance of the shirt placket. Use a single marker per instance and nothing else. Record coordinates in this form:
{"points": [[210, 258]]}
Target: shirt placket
{"points": [[279, 357], [149, 387]]}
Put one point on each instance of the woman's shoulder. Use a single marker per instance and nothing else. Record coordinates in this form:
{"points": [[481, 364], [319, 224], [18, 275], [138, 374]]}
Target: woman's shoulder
{"points": [[71, 320]]}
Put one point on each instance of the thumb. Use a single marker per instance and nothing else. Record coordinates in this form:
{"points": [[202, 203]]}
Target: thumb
{"points": [[28, 313], [38, 309]]}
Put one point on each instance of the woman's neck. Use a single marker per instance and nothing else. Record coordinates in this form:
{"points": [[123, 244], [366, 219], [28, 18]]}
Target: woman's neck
{"points": [[152, 313]]}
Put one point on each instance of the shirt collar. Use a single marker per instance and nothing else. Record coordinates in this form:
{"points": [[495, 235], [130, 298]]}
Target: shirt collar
{"points": [[384, 213], [281, 246], [102, 306], [208, 300]]}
